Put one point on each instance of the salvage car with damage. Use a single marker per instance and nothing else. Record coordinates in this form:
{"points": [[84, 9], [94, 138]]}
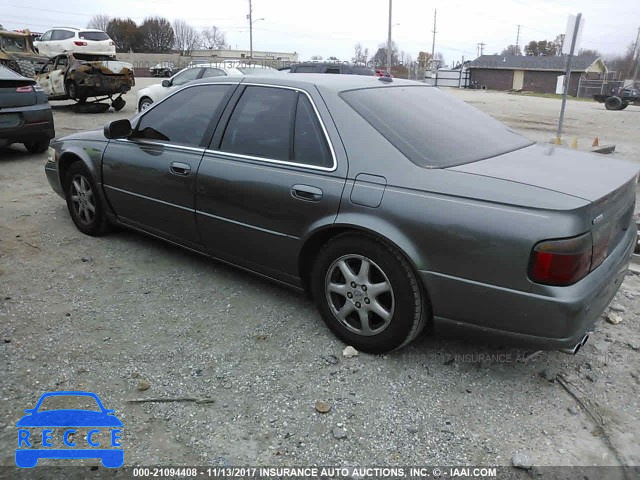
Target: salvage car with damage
{"points": [[78, 77], [395, 205]]}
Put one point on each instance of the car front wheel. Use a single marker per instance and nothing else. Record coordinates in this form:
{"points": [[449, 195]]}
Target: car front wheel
{"points": [[83, 202], [368, 294], [145, 103]]}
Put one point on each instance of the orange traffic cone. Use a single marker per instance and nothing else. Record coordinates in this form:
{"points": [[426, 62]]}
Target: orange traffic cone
{"points": [[596, 142], [574, 142]]}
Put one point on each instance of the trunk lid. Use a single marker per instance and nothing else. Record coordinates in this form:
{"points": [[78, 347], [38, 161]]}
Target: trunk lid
{"points": [[608, 183], [584, 175]]}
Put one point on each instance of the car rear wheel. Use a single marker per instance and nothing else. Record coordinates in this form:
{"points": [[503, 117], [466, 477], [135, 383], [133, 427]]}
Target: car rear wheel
{"points": [[83, 202], [145, 103], [368, 294], [613, 103], [39, 146]]}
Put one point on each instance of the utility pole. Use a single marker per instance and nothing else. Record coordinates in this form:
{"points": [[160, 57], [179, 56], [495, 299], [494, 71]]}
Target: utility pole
{"points": [[635, 56], [518, 37], [567, 77], [250, 16], [389, 39], [433, 43], [480, 48]]}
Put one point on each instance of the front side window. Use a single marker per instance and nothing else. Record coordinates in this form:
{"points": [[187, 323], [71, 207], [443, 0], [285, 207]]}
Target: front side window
{"points": [[261, 123], [46, 36], [186, 76], [183, 118]]}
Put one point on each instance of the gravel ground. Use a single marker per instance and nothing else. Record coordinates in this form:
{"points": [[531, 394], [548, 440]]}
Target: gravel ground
{"points": [[129, 317]]}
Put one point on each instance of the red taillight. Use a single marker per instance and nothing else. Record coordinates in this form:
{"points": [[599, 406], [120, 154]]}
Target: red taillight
{"points": [[561, 262], [25, 89], [81, 44]]}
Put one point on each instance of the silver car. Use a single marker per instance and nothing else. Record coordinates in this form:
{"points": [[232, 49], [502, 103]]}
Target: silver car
{"points": [[395, 205]]}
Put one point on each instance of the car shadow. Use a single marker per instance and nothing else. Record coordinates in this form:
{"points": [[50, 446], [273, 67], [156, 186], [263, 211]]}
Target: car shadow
{"points": [[15, 152], [444, 344]]}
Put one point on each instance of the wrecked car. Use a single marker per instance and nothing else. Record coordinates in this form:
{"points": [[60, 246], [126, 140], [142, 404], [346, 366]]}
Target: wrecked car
{"points": [[76, 76], [17, 53]]}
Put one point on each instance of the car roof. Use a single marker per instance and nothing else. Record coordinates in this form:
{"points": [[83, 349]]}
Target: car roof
{"points": [[335, 83]]}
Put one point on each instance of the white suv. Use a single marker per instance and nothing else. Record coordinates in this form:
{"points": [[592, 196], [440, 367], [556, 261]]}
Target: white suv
{"points": [[85, 40]]}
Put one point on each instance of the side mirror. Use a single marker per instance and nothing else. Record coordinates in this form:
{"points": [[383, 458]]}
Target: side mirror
{"points": [[166, 83], [118, 129]]}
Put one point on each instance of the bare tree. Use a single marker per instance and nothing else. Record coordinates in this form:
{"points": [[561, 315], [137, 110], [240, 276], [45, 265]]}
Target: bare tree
{"points": [[186, 37], [512, 50], [213, 39], [157, 35], [361, 55], [99, 22]]}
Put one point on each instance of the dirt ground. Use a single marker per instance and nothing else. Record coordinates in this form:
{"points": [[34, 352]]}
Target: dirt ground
{"points": [[129, 317]]}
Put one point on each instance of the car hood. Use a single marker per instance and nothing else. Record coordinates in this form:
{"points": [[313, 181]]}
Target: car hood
{"points": [[69, 418], [584, 175]]}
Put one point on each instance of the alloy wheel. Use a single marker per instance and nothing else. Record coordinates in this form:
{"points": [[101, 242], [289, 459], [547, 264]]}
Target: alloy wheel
{"points": [[360, 294], [83, 199]]}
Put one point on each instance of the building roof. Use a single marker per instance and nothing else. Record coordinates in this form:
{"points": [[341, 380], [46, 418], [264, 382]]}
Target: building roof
{"points": [[579, 63]]}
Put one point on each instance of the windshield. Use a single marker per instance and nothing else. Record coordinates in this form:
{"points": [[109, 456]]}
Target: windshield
{"points": [[13, 44], [69, 402], [431, 128], [95, 36]]}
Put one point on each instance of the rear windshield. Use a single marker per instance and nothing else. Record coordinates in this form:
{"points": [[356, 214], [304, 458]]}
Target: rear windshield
{"points": [[430, 127], [95, 36]]}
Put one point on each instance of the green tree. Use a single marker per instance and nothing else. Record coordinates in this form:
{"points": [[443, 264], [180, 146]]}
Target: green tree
{"points": [[157, 35], [125, 34]]}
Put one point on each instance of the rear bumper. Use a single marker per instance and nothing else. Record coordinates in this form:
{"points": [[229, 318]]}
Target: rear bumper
{"points": [[36, 123], [554, 321]]}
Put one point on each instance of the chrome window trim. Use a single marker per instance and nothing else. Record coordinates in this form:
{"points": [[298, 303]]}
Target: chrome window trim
{"points": [[173, 146], [127, 192], [333, 168]]}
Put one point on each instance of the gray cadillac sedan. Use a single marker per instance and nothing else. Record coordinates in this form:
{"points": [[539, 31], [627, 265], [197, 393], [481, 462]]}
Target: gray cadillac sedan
{"points": [[392, 203]]}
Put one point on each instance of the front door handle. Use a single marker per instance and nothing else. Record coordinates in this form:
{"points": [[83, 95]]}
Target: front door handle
{"points": [[306, 192], [180, 169]]}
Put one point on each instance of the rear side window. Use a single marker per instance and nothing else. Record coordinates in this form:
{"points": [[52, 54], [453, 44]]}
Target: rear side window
{"points": [[304, 69], [61, 35], [432, 128], [309, 143], [261, 123], [186, 76], [213, 72], [185, 117], [95, 36]]}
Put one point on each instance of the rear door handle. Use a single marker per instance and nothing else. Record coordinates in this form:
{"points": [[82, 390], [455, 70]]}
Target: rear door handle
{"points": [[306, 192], [180, 169]]}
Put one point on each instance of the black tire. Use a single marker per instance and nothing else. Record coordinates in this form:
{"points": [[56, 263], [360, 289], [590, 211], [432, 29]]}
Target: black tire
{"points": [[613, 103], [145, 103], [624, 105], [118, 104], [406, 306], [77, 180], [39, 146]]}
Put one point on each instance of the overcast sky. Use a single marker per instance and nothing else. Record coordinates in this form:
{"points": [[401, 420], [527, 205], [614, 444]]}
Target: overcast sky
{"points": [[332, 27]]}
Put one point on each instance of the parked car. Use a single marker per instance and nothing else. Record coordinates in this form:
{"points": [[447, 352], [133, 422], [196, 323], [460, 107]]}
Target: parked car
{"points": [[80, 40], [394, 204], [154, 93], [331, 67], [163, 69], [25, 113], [78, 76], [17, 53]]}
